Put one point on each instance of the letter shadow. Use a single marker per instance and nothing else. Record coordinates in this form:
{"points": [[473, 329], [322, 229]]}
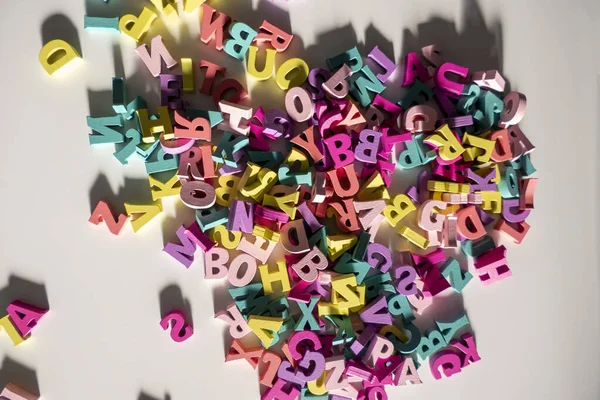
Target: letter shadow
{"points": [[59, 26], [24, 290], [171, 299], [22, 376]]}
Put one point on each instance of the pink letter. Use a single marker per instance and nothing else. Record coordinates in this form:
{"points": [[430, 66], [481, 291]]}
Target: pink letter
{"points": [[470, 354], [491, 267], [448, 360], [277, 392], [447, 84], [24, 316], [180, 331], [214, 263], [413, 69], [308, 267], [158, 53], [238, 327], [339, 149]]}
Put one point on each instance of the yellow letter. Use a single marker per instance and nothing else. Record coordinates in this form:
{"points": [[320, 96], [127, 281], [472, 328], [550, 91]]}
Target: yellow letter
{"points": [[11, 331], [56, 54], [292, 73], [284, 203], [267, 71], [480, 143], [265, 328], [401, 206], [449, 148], [223, 237], [187, 70], [147, 213], [191, 5], [414, 237], [168, 188], [280, 275], [227, 189], [136, 27]]}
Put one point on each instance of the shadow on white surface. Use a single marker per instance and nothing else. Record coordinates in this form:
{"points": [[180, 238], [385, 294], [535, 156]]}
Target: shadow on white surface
{"points": [[171, 299], [59, 26], [22, 376], [145, 396], [134, 190], [24, 290]]}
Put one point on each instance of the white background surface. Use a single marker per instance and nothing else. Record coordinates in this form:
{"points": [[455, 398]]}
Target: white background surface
{"points": [[537, 332]]}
